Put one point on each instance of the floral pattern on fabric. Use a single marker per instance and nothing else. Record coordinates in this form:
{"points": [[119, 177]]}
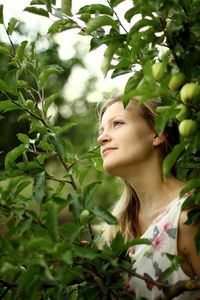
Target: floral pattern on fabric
{"points": [[150, 261]]}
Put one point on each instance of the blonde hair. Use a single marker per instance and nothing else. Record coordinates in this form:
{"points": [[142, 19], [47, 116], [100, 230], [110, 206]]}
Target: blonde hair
{"points": [[127, 207]]}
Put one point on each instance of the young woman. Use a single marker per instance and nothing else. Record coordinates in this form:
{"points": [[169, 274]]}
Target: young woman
{"points": [[149, 207]]}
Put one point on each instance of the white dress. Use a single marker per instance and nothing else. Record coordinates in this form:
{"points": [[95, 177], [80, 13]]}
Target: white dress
{"points": [[151, 260]]}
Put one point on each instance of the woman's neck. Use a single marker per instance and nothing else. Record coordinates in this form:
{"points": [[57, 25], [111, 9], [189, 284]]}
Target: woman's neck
{"points": [[152, 191], [153, 198]]}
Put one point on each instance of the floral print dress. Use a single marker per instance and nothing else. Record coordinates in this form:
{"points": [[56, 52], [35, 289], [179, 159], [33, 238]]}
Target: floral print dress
{"points": [[150, 261]]}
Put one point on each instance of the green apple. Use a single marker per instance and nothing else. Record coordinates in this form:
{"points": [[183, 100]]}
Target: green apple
{"points": [[183, 113], [158, 71], [190, 93], [176, 81], [187, 128]]}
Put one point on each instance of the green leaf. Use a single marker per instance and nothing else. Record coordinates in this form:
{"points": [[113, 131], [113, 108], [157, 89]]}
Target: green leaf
{"points": [[192, 201], [192, 217], [45, 145], [22, 137], [143, 23], [1, 14], [49, 101], [65, 128], [52, 221], [71, 231], [168, 112], [4, 50], [8, 105], [21, 186], [39, 187], [11, 81], [96, 8], [139, 241], [48, 5], [87, 253], [22, 84], [108, 55], [176, 261], [37, 11], [172, 157], [59, 144], [138, 42], [191, 184], [66, 6], [117, 244], [124, 62], [41, 158], [11, 25], [98, 22], [105, 215], [62, 25], [14, 182], [38, 2], [133, 81], [13, 155], [75, 205], [44, 75], [37, 125], [20, 51], [67, 257], [32, 167], [146, 90], [95, 43], [114, 3], [59, 188], [118, 72], [29, 282], [39, 243], [88, 192], [21, 98], [130, 13]]}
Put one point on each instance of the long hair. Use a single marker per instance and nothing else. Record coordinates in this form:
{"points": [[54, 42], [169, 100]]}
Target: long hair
{"points": [[127, 207]]}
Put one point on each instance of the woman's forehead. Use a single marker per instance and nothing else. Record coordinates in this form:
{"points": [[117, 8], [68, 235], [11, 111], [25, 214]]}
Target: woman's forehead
{"points": [[118, 108]]}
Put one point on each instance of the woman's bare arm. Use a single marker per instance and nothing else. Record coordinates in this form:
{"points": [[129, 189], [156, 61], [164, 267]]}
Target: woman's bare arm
{"points": [[186, 245]]}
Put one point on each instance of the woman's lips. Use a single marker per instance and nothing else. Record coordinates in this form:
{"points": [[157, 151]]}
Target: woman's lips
{"points": [[107, 150]]}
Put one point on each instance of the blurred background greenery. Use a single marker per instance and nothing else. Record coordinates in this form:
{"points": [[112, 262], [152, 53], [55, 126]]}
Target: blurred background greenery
{"points": [[81, 110]]}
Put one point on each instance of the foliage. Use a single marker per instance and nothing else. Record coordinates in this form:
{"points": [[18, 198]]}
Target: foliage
{"points": [[42, 258]]}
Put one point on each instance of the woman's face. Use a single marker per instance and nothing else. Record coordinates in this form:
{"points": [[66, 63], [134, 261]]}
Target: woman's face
{"points": [[126, 139]]}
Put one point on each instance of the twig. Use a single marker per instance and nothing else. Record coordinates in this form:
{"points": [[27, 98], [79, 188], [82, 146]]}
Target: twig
{"points": [[71, 181], [151, 280], [12, 45], [171, 291], [117, 16], [58, 180], [30, 112], [180, 287]]}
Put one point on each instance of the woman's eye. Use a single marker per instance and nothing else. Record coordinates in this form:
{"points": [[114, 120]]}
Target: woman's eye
{"points": [[117, 123]]}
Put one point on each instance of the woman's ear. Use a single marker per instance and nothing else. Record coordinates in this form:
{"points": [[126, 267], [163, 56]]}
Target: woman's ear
{"points": [[159, 139]]}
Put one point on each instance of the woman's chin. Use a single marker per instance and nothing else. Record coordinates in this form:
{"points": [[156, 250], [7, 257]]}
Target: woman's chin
{"points": [[111, 169]]}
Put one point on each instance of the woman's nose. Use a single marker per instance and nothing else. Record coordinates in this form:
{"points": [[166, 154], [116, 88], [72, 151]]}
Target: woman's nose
{"points": [[103, 138]]}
